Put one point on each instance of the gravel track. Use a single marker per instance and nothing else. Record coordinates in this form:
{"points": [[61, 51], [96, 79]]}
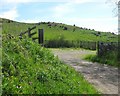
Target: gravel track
{"points": [[103, 77]]}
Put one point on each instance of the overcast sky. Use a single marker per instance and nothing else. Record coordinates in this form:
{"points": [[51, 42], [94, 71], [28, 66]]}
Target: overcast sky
{"points": [[94, 14]]}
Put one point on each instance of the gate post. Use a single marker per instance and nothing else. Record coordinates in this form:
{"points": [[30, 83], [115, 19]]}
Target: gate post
{"points": [[40, 36], [98, 48], [29, 33]]}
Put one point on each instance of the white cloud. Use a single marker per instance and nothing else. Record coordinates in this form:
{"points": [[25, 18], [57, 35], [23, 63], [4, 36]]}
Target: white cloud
{"points": [[10, 14], [62, 9], [30, 20], [67, 8], [37, 19], [84, 1], [7, 3], [18, 1], [28, 1]]}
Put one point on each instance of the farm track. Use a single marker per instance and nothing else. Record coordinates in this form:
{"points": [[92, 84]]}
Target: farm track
{"points": [[103, 77]]}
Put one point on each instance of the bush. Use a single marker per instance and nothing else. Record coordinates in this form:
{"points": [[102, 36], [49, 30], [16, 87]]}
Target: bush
{"points": [[65, 28]]}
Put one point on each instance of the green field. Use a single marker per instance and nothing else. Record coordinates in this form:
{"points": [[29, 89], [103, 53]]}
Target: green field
{"points": [[56, 31]]}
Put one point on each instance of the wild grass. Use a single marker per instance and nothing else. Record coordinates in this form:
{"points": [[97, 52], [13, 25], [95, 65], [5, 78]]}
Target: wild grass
{"points": [[56, 31], [29, 68], [110, 58]]}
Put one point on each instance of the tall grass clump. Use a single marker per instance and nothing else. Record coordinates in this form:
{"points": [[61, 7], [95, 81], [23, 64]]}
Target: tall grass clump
{"points": [[110, 58], [28, 68]]}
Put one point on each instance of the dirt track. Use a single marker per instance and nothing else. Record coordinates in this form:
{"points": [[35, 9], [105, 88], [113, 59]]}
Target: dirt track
{"points": [[104, 78]]}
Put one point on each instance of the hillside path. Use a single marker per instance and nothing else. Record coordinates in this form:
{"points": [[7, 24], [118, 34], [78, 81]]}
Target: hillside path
{"points": [[103, 77]]}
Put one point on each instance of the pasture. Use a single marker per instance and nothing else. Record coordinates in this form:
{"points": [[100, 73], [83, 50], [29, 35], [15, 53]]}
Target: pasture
{"points": [[55, 31]]}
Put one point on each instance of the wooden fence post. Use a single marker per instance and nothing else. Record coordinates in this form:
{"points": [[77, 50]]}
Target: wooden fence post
{"points": [[98, 48], [40, 36], [29, 33]]}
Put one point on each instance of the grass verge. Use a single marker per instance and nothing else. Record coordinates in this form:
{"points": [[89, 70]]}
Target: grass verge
{"points": [[110, 58], [29, 68]]}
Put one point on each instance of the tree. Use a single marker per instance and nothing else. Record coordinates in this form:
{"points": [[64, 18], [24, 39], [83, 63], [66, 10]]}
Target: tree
{"points": [[116, 10], [114, 4]]}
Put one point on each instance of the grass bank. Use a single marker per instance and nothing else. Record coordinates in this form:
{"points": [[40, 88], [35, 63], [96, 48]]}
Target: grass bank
{"points": [[29, 68]]}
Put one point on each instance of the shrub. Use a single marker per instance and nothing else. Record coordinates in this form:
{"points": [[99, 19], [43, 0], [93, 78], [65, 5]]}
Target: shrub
{"points": [[65, 28]]}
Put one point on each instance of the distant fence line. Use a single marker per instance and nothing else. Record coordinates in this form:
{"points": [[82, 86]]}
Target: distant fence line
{"points": [[68, 44], [101, 47], [105, 47]]}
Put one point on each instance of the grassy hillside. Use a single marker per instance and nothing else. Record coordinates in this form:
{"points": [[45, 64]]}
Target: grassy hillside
{"points": [[31, 69], [57, 30]]}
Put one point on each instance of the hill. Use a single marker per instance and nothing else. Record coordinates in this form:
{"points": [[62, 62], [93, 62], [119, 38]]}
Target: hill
{"points": [[54, 31]]}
